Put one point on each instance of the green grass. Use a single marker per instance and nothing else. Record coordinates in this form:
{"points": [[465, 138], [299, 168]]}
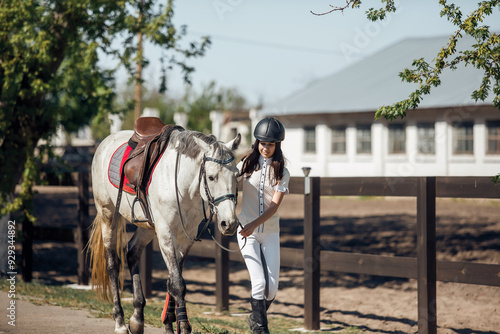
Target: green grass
{"points": [[203, 319]]}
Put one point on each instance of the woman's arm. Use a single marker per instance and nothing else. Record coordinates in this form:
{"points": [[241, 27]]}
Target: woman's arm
{"points": [[248, 229]]}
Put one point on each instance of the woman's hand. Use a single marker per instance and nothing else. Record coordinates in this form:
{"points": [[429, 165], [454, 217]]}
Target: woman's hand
{"points": [[248, 229]]}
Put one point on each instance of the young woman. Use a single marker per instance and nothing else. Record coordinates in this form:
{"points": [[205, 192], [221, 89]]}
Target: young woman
{"points": [[265, 182]]}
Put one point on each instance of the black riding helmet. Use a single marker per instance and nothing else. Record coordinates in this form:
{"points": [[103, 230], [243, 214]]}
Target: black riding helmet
{"points": [[269, 130]]}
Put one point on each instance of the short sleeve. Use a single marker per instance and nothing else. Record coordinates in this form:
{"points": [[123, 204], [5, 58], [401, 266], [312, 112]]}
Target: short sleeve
{"points": [[239, 166], [282, 186]]}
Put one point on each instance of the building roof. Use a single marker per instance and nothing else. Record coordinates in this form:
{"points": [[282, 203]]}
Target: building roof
{"points": [[374, 82]]}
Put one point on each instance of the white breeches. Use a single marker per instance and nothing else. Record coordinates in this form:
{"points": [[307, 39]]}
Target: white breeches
{"points": [[264, 276]]}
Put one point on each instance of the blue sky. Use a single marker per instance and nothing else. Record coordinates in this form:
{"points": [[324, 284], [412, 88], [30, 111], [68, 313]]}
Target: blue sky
{"points": [[267, 50]]}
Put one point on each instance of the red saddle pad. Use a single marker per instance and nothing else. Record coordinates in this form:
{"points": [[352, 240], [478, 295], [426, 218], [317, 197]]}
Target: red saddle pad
{"points": [[116, 165]]}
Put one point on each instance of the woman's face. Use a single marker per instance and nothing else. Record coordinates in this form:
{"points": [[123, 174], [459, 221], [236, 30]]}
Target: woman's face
{"points": [[267, 149]]}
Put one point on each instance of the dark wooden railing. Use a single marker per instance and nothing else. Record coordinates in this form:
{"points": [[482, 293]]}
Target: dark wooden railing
{"points": [[425, 268], [312, 258]]}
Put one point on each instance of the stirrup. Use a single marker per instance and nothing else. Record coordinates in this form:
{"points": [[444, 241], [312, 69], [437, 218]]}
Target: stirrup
{"points": [[136, 220], [144, 223]]}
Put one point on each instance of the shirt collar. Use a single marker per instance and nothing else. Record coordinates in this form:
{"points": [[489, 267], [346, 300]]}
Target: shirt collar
{"points": [[263, 160]]}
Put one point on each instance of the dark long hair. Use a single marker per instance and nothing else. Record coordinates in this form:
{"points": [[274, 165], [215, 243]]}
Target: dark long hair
{"points": [[251, 161]]}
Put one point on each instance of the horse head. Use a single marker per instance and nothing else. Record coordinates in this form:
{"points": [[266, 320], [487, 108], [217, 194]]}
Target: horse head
{"points": [[219, 187]]}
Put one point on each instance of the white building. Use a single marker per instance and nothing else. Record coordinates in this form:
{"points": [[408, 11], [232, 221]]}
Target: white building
{"points": [[331, 126], [227, 124]]}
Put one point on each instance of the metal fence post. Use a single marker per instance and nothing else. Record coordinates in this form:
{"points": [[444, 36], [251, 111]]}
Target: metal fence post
{"points": [[312, 250], [426, 255]]}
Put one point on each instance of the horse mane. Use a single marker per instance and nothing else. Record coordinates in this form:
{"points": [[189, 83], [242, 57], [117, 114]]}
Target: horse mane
{"points": [[188, 143]]}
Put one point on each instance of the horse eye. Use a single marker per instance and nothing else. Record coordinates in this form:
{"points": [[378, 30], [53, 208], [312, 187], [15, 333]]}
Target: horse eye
{"points": [[211, 178]]}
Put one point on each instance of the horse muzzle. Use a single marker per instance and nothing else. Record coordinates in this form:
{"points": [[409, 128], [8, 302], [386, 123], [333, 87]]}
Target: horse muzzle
{"points": [[228, 228]]}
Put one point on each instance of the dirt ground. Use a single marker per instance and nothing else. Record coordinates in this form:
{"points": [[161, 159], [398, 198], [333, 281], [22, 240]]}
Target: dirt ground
{"points": [[467, 230]]}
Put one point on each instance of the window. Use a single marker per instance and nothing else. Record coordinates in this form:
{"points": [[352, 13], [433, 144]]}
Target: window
{"points": [[463, 138], [493, 139], [338, 140], [310, 140], [426, 138], [364, 139], [397, 138]]}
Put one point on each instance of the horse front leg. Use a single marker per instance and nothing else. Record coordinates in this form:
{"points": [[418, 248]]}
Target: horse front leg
{"points": [[168, 315], [176, 288], [141, 239]]}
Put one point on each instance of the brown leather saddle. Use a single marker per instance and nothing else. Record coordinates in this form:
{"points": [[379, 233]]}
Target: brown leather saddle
{"points": [[148, 143]]}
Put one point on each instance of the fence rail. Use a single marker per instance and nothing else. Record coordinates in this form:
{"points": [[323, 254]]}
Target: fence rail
{"points": [[425, 268], [378, 265]]}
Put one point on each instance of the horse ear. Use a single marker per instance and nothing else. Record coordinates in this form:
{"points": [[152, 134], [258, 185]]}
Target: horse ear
{"points": [[233, 144]]}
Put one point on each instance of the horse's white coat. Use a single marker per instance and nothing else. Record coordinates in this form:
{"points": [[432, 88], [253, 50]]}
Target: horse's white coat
{"points": [[162, 189], [173, 241]]}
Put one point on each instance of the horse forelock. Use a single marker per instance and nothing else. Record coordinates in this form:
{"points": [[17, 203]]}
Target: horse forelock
{"points": [[190, 143]]}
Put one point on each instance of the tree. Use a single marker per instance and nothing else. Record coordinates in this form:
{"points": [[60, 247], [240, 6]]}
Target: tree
{"points": [[211, 98], [49, 73], [483, 55], [197, 105], [152, 99]]}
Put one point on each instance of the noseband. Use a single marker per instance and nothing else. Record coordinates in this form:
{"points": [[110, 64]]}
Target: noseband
{"points": [[204, 224]]}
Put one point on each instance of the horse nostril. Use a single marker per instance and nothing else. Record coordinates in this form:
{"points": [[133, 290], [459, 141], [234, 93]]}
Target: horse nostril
{"points": [[223, 224]]}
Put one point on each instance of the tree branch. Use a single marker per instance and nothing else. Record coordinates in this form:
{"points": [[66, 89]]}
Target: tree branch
{"points": [[483, 55], [354, 3]]}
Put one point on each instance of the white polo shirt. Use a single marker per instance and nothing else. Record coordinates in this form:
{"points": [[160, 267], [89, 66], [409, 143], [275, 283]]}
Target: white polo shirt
{"points": [[258, 191]]}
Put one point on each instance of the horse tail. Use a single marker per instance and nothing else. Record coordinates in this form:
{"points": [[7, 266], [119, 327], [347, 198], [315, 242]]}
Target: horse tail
{"points": [[99, 274]]}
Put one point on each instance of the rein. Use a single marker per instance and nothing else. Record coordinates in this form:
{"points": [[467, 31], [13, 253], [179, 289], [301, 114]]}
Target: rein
{"points": [[204, 224]]}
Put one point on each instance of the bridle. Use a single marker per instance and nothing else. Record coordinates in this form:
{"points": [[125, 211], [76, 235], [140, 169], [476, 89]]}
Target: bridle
{"points": [[212, 202], [203, 173]]}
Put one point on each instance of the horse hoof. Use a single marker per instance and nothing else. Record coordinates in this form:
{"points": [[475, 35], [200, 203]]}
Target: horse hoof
{"points": [[121, 330], [136, 327], [168, 329], [184, 327]]}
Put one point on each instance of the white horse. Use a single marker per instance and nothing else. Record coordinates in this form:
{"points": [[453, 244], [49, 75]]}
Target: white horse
{"points": [[204, 167]]}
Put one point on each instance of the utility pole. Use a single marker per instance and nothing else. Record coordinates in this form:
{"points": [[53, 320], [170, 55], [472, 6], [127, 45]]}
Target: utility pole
{"points": [[138, 75]]}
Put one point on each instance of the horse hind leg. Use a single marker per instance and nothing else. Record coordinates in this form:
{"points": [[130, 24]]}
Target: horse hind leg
{"points": [[115, 259], [106, 243], [141, 239]]}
